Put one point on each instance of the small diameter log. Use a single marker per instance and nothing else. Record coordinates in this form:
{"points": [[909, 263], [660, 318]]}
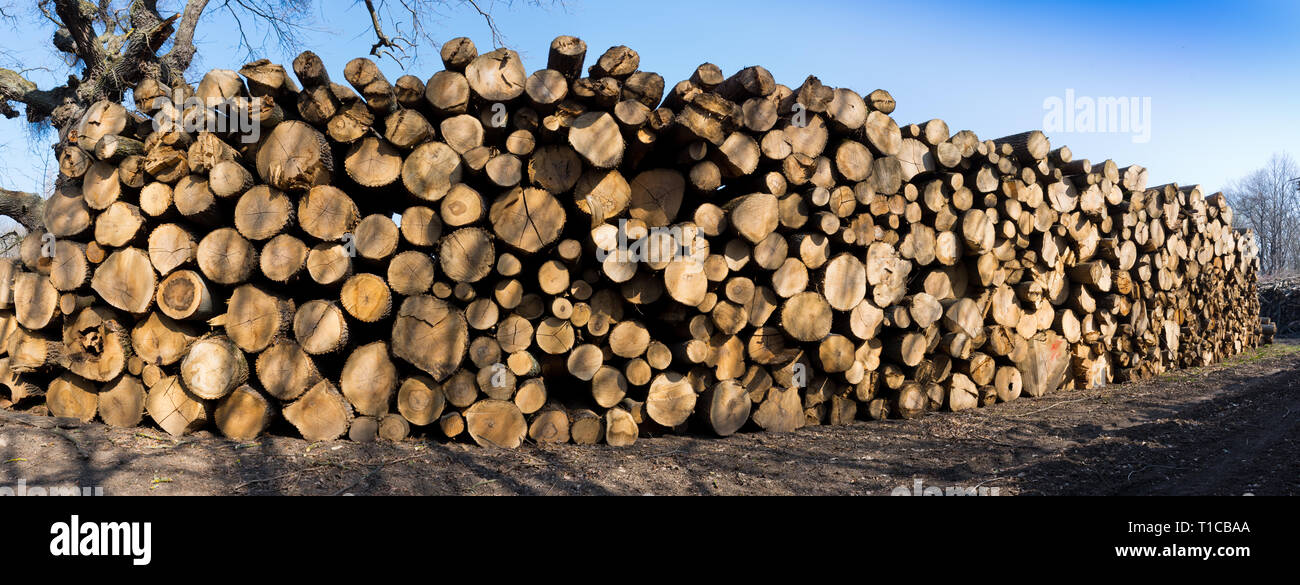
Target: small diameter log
{"points": [[364, 429], [392, 427], [184, 295], [586, 427], [328, 264], [170, 247], [227, 179], [411, 273], [366, 298], [376, 237], [283, 258]]}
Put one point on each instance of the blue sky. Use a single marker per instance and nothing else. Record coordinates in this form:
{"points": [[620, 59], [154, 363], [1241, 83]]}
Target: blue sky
{"points": [[1221, 77]]}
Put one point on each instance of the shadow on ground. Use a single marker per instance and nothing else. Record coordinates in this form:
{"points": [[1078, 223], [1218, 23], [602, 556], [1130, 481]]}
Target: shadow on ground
{"points": [[1227, 429]]}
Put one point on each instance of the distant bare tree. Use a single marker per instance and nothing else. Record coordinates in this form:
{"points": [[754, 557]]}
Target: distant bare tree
{"points": [[111, 45], [1268, 202]]}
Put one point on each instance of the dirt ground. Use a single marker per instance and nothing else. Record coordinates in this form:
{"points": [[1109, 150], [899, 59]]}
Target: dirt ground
{"points": [[1228, 429]]}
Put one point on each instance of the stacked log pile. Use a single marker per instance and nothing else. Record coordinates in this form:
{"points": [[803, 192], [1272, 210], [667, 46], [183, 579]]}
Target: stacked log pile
{"points": [[589, 256], [1279, 305]]}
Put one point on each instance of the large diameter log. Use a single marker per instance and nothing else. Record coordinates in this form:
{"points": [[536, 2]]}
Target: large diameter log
{"points": [[213, 368], [295, 157], [96, 344], [671, 399], [725, 407], [467, 254], [121, 402], [430, 170], [420, 400], [126, 280], [263, 212], [656, 196], [497, 76], [373, 162], [285, 371], [430, 334], [175, 409], [320, 327], [72, 396], [496, 423], [243, 414], [369, 378], [255, 318], [781, 411], [596, 136], [550, 425], [321, 414], [66, 213], [119, 225], [35, 300], [1044, 363], [224, 256], [158, 339], [844, 282], [806, 316], [69, 269], [327, 213], [527, 218]]}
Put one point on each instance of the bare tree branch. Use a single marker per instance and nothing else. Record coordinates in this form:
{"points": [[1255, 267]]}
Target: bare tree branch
{"points": [[80, 24], [27, 209], [182, 51]]}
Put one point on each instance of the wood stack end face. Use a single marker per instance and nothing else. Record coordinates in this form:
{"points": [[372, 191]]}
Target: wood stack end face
{"points": [[590, 255]]}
